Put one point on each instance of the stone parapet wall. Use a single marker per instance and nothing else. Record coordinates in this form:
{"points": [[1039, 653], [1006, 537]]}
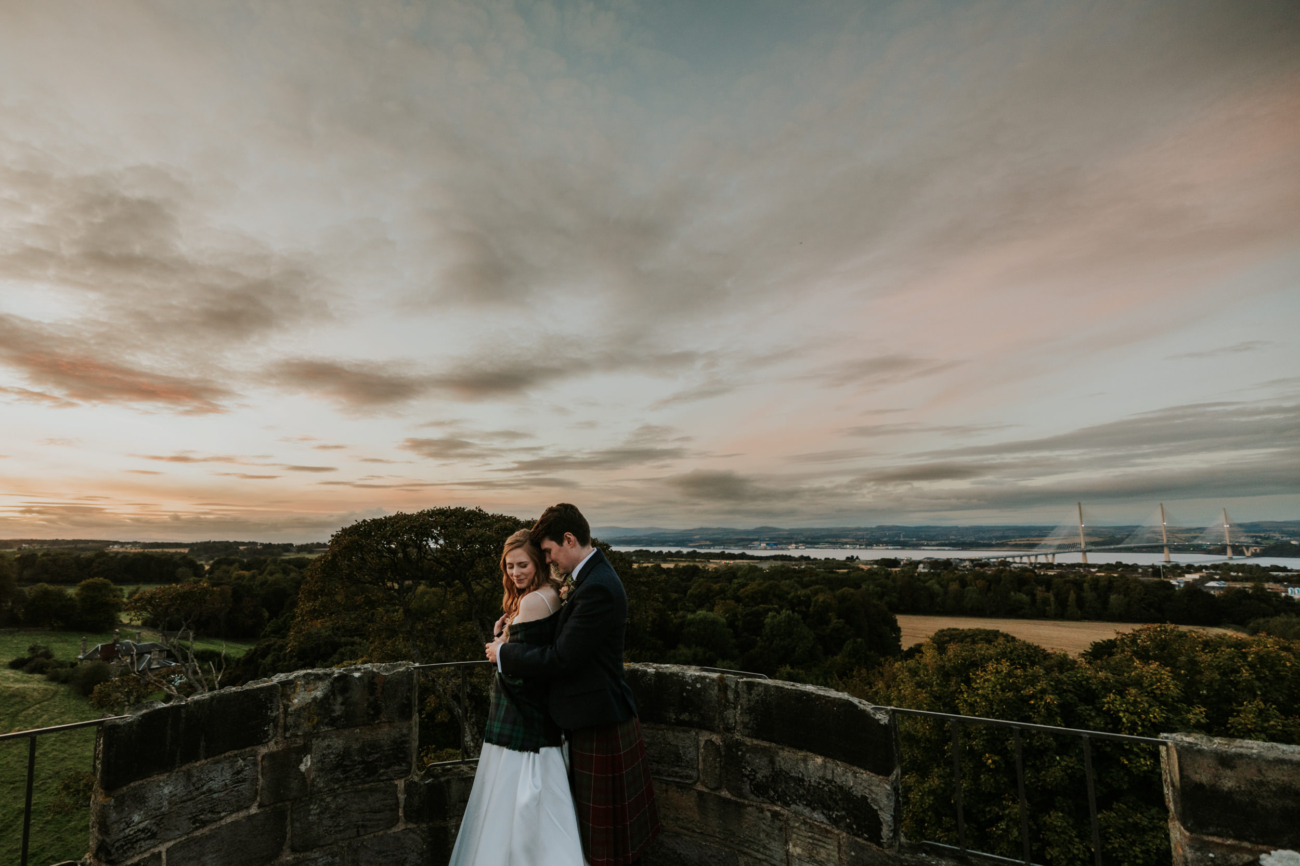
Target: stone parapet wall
{"points": [[752, 771], [1232, 802], [314, 768], [318, 768]]}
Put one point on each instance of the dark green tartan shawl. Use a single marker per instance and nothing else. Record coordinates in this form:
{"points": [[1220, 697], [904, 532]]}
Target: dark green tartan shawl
{"points": [[517, 718]]}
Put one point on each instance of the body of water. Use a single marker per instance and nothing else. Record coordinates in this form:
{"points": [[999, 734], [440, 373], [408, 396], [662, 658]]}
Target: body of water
{"points": [[1095, 557]]}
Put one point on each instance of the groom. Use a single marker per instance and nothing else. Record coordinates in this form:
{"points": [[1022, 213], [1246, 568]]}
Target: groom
{"points": [[590, 700]]}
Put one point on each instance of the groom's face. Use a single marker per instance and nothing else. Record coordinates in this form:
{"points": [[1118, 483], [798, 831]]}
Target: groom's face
{"points": [[566, 555]]}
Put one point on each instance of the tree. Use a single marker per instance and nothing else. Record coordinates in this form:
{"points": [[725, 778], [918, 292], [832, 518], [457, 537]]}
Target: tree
{"points": [[709, 636], [424, 587], [1156, 679], [788, 641], [178, 607], [49, 607], [98, 604], [11, 597]]}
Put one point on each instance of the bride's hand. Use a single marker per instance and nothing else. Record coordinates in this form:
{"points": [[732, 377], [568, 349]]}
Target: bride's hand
{"points": [[499, 629]]}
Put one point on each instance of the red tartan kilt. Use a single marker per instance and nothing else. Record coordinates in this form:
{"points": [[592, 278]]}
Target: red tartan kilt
{"points": [[617, 815]]}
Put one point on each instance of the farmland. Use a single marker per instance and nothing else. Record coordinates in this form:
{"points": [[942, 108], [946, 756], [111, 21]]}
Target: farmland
{"points": [[1056, 635]]}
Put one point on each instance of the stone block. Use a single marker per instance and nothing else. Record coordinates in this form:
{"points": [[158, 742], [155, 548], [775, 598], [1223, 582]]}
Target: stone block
{"points": [[1239, 790], [440, 796], [825, 791], [316, 701], [149, 813], [817, 720], [671, 849], [711, 764], [811, 844], [750, 831], [336, 856], [338, 816], [252, 840], [684, 697], [673, 753], [388, 849], [286, 775], [360, 756], [439, 844], [170, 736]]}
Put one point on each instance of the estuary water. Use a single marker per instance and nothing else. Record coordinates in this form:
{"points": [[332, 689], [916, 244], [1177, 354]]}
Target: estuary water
{"points": [[1095, 557]]}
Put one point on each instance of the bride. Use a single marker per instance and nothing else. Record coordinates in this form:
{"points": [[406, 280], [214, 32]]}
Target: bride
{"points": [[520, 810]]}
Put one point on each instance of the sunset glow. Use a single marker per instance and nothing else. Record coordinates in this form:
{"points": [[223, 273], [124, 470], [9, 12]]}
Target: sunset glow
{"points": [[266, 269]]}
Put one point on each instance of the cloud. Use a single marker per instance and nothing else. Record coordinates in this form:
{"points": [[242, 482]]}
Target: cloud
{"points": [[127, 240], [880, 370], [925, 472], [293, 468], [713, 485], [52, 361], [447, 448], [247, 476], [356, 386], [911, 428], [1234, 349], [599, 459], [191, 457], [1176, 431]]}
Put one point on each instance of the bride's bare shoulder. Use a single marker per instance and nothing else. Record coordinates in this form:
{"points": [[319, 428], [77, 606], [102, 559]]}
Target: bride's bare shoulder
{"points": [[534, 606]]}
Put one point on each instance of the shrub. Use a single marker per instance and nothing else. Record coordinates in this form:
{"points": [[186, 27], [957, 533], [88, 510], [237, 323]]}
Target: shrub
{"points": [[38, 665], [18, 663], [85, 677], [121, 693], [74, 792], [59, 673]]}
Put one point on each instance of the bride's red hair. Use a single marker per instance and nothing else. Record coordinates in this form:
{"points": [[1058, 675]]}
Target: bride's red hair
{"points": [[541, 573]]}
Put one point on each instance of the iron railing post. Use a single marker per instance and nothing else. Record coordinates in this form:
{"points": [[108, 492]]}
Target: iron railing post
{"points": [[956, 788], [27, 807], [1092, 800], [1020, 789], [464, 711]]}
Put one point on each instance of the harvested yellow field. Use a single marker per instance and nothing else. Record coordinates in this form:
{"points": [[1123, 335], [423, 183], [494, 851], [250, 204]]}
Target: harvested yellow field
{"points": [[1054, 634]]}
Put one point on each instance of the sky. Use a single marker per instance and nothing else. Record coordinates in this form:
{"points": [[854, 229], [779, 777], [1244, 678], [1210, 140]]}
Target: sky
{"points": [[267, 269]]}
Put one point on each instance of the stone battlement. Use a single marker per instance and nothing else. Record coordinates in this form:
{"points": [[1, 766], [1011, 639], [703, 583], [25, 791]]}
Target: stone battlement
{"points": [[318, 768]]}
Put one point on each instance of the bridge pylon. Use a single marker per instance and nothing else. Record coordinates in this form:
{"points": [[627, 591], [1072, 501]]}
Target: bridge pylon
{"points": [[1083, 543]]}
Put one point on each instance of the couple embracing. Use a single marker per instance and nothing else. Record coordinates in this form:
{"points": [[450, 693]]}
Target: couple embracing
{"points": [[563, 775]]}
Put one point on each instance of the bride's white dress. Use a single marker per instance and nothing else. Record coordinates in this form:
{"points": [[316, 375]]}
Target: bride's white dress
{"points": [[520, 810]]}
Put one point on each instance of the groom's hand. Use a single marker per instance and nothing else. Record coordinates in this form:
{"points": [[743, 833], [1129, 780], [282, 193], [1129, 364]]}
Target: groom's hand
{"points": [[491, 650]]}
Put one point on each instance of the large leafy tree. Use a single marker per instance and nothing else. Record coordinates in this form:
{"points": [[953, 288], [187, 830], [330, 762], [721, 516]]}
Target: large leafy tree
{"points": [[1157, 679], [424, 587], [98, 604]]}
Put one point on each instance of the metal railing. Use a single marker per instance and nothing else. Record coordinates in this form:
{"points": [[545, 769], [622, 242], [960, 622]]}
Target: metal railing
{"points": [[957, 721], [31, 767], [464, 694], [464, 701], [756, 676]]}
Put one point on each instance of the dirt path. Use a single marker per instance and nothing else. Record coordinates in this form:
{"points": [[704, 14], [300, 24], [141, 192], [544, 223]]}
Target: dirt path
{"points": [[1058, 635]]}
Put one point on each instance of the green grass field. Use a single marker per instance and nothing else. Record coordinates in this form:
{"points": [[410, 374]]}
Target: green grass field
{"points": [[28, 702]]}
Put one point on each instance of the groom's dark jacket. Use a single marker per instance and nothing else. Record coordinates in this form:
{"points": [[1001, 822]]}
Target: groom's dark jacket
{"points": [[585, 664]]}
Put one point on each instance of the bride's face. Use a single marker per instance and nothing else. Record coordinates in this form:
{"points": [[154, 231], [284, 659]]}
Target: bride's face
{"points": [[520, 568]]}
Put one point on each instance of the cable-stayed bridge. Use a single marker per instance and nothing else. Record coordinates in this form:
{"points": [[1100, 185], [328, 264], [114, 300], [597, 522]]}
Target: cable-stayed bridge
{"points": [[1075, 535]]}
